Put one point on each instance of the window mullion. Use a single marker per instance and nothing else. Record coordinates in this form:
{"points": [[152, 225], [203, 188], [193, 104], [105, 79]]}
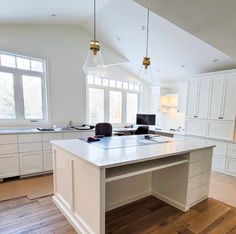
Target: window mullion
{"points": [[124, 107], [106, 105]]}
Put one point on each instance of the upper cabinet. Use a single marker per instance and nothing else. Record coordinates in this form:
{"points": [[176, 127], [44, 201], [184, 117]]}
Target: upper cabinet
{"points": [[223, 98], [198, 98]]}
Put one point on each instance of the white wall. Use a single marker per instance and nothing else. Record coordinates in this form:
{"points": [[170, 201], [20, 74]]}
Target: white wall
{"points": [[65, 48]]}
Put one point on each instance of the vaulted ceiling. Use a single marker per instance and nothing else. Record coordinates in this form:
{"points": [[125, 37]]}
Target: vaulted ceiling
{"points": [[177, 49]]}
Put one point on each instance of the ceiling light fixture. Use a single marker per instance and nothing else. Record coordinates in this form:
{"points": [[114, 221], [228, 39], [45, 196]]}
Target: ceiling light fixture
{"points": [[94, 64], [215, 60], [145, 72]]}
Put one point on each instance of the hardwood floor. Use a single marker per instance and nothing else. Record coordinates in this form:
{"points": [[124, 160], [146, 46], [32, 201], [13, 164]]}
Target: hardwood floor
{"points": [[148, 215]]}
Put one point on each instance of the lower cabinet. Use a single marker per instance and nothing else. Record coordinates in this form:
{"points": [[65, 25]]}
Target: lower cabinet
{"points": [[31, 162], [218, 163], [231, 166], [9, 165], [47, 161]]}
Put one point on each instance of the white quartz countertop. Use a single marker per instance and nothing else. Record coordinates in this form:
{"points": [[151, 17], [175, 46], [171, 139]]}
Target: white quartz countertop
{"points": [[34, 130], [115, 156]]}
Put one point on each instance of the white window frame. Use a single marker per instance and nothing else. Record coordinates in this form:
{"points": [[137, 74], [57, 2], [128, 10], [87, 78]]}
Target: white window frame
{"points": [[107, 89], [18, 92]]}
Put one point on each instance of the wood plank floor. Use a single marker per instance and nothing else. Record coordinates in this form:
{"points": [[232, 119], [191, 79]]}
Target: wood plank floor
{"points": [[148, 215]]}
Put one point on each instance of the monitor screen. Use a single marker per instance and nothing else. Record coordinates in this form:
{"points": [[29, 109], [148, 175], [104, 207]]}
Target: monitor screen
{"points": [[143, 119]]}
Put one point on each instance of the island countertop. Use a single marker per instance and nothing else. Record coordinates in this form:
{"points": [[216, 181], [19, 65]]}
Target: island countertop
{"points": [[115, 151]]}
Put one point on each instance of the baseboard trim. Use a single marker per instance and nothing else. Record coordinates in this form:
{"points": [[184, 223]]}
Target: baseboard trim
{"points": [[170, 201], [127, 200]]}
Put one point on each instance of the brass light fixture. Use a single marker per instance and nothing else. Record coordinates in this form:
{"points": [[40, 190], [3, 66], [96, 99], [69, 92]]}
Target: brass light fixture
{"points": [[94, 64], [145, 72]]}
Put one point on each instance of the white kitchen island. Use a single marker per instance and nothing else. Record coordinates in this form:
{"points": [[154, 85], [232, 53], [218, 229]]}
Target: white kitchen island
{"points": [[92, 178]]}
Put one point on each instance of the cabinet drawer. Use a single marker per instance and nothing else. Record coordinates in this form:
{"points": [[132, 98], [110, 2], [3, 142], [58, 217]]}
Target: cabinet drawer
{"points": [[199, 180], [198, 194], [232, 146], [30, 147], [220, 149], [47, 161], [231, 165], [31, 163], [47, 146], [231, 154], [218, 163], [221, 130], [8, 149], [200, 155], [52, 136], [9, 165], [8, 139], [199, 167], [27, 138]]}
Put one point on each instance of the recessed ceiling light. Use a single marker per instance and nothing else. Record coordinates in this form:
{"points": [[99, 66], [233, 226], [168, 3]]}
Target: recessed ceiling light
{"points": [[118, 38], [215, 60], [182, 66], [53, 15], [143, 27], [158, 70]]}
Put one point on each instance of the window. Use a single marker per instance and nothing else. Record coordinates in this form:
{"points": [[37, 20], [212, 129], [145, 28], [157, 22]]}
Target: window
{"points": [[23, 95], [115, 107], [96, 105], [132, 107], [112, 101]]}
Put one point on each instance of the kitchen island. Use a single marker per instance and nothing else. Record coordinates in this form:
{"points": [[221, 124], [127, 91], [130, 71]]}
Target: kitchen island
{"points": [[92, 178]]}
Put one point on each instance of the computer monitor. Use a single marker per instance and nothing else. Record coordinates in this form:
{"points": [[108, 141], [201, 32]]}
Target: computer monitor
{"points": [[144, 119]]}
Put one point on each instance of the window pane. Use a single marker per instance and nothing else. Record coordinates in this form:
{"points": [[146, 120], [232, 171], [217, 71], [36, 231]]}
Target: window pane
{"points": [[115, 107], [125, 85], [36, 66], [131, 86], [98, 81], [105, 82], [90, 79], [32, 93], [96, 105], [132, 107], [23, 63], [8, 60], [119, 84], [7, 100], [112, 83], [136, 87]]}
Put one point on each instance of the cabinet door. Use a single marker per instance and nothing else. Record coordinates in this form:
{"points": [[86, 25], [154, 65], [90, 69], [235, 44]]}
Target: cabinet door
{"points": [[217, 96], [47, 161], [9, 165], [196, 127], [221, 130], [192, 98], [31, 163], [203, 98], [229, 107]]}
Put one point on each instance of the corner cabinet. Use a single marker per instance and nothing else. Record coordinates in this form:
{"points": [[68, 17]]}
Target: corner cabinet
{"points": [[211, 107]]}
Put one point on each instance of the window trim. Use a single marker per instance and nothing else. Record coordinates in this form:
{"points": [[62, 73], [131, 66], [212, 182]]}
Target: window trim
{"points": [[18, 91], [107, 89]]}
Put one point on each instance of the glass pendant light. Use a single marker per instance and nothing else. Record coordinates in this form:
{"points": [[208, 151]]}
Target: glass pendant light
{"points": [[94, 64], [145, 72]]}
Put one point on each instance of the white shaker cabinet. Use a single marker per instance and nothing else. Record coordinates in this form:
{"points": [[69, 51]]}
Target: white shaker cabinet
{"points": [[223, 98], [198, 99], [196, 127]]}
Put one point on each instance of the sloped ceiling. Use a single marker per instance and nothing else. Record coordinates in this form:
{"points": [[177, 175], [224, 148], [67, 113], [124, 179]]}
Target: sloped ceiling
{"points": [[213, 21]]}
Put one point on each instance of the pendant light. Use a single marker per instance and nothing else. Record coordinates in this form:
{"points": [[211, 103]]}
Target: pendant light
{"points": [[145, 72], [94, 64]]}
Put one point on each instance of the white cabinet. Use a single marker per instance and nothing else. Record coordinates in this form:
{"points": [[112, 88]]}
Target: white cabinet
{"points": [[231, 165], [31, 162], [221, 130], [9, 165], [27, 138], [223, 98], [196, 127], [47, 161], [198, 99]]}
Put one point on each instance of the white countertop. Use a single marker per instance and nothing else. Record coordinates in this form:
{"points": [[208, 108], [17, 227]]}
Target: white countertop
{"points": [[100, 157], [34, 130]]}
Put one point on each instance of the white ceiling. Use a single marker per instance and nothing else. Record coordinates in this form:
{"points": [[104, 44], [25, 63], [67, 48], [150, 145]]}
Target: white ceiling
{"points": [[213, 21], [170, 46]]}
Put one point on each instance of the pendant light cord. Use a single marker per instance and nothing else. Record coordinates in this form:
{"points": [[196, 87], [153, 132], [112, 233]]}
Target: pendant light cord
{"points": [[147, 33], [94, 19]]}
